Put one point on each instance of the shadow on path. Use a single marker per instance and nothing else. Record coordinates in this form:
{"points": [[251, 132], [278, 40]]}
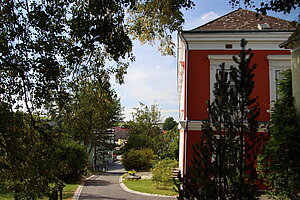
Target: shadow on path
{"points": [[105, 186]]}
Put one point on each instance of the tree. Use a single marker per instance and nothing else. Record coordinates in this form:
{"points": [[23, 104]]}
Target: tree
{"points": [[25, 156], [223, 165], [169, 123], [44, 43], [273, 5], [279, 162], [170, 149], [138, 142], [145, 125], [49, 46], [94, 110]]}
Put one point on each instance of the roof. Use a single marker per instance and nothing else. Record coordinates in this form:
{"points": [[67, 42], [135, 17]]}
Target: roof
{"points": [[121, 133], [241, 20]]}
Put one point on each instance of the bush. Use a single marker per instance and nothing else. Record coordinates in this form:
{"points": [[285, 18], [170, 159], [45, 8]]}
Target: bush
{"points": [[74, 158], [139, 160], [162, 172], [136, 141]]}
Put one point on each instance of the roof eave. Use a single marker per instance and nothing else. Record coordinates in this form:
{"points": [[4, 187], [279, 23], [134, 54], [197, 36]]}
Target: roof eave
{"points": [[235, 31]]}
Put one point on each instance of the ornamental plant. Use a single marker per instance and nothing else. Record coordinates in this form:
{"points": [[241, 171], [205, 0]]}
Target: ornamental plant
{"points": [[162, 172]]}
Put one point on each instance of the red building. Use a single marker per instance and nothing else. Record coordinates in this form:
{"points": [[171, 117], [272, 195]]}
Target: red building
{"points": [[203, 49]]}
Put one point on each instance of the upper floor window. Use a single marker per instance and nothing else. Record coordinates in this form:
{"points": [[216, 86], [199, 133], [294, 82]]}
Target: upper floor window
{"points": [[215, 62], [277, 64]]}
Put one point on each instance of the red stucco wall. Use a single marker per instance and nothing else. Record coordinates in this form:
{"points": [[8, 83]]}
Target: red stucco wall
{"points": [[199, 80]]}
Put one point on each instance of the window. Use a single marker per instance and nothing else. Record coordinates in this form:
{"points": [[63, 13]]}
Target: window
{"points": [[278, 77], [215, 62], [277, 64], [227, 73]]}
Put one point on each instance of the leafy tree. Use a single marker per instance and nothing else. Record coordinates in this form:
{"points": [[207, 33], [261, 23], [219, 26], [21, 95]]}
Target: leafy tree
{"points": [[47, 47], [145, 120], [169, 123], [44, 43], [223, 165], [75, 158], [25, 156], [273, 5], [137, 142], [151, 20], [170, 149], [138, 159], [279, 163], [145, 125], [94, 111]]}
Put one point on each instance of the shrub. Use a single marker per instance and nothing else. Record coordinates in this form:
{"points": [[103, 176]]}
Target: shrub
{"points": [[139, 160], [74, 158], [161, 173], [279, 162], [136, 141]]}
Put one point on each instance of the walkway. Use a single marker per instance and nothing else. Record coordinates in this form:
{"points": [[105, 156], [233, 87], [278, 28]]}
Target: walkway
{"points": [[106, 186]]}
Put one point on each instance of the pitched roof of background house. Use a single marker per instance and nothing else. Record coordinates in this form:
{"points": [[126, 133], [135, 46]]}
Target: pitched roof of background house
{"points": [[121, 133], [242, 19]]}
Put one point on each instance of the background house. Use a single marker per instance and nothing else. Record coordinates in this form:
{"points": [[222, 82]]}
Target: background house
{"points": [[203, 49], [121, 136]]}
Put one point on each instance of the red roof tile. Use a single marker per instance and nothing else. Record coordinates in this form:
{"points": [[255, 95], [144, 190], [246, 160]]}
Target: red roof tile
{"points": [[242, 19]]}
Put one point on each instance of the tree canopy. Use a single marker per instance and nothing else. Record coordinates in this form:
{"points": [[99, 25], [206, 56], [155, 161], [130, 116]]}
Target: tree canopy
{"points": [[53, 53], [284, 6], [169, 123]]}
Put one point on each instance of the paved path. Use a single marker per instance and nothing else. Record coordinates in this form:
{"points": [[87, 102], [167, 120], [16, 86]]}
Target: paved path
{"points": [[106, 186]]}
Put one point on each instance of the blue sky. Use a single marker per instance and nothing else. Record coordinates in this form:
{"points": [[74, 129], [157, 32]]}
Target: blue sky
{"points": [[152, 78]]}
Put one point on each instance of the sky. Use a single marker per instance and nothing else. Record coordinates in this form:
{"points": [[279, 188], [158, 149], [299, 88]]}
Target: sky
{"points": [[152, 78]]}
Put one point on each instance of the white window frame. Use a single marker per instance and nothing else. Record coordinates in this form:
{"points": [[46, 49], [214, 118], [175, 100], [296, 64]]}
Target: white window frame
{"points": [[215, 62], [276, 63]]}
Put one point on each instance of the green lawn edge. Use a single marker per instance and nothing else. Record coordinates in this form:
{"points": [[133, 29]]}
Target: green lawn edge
{"points": [[148, 186], [68, 192]]}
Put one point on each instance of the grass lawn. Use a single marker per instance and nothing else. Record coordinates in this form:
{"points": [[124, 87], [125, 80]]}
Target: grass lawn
{"points": [[4, 193], [68, 192], [148, 186]]}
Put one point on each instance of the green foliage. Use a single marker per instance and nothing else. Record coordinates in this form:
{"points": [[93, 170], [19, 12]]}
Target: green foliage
{"points": [[146, 119], [140, 160], [279, 163], [145, 125], [272, 5], [94, 109], [52, 53], [155, 20], [169, 124], [25, 155], [162, 172], [223, 165], [137, 142], [170, 145], [75, 157]]}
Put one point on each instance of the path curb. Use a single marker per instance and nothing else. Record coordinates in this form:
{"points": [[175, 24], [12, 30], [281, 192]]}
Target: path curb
{"points": [[126, 189], [80, 188]]}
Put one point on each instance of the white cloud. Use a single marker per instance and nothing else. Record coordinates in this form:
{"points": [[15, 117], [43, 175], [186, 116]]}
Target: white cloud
{"points": [[203, 19], [151, 79]]}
